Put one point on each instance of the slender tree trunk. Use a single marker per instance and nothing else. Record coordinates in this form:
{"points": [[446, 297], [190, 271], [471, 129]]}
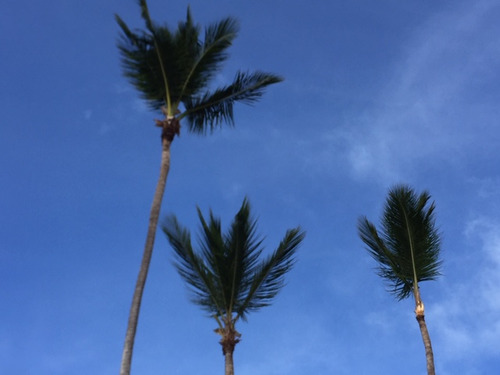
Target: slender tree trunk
{"points": [[419, 312], [229, 365], [146, 258], [230, 337]]}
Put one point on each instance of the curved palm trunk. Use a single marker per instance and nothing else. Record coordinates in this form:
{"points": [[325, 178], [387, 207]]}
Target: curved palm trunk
{"points": [[429, 355], [170, 128]]}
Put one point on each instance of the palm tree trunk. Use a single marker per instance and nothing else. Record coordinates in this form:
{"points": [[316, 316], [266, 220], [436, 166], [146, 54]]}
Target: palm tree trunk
{"points": [[230, 337], [229, 365], [426, 338], [146, 258]]}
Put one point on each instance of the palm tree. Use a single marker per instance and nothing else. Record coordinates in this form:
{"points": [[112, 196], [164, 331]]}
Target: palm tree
{"points": [[407, 249], [225, 273], [173, 70]]}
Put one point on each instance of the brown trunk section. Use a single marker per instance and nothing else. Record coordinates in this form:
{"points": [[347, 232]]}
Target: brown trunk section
{"points": [[427, 344], [230, 337], [128, 348], [229, 365]]}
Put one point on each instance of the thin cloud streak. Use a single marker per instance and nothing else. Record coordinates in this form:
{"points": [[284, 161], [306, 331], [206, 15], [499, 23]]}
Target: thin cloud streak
{"points": [[428, 111], [475, 295]]}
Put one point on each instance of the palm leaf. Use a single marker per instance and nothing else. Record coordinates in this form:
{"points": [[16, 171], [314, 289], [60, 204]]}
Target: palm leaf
{"points": [[192, 268], [388, 267], [407, 250], [218, 38], [158, 61], [145, 15], [211, 243], [141, 65], [268, 278], [213, 108], [243, 249]]}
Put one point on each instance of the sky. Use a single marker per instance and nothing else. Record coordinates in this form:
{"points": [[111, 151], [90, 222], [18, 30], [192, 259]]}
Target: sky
{"points": [[375, 94]]}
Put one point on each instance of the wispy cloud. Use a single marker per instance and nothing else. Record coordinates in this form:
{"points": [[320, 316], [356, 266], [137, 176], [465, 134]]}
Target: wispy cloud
{"points": [[436, 106], [87, 114], [458, 329]]}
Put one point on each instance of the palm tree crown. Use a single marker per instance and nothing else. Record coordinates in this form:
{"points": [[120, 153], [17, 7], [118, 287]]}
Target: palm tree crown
{"points": [[171, 68], [227, 277], [407, 249]]}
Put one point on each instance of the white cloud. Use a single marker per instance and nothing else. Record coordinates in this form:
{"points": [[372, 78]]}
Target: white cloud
{"points": [[488, 188], [467, 322], [435, 106]]}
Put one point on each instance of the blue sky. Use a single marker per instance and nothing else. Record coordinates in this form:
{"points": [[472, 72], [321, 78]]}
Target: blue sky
{"points": [[375, 95]]}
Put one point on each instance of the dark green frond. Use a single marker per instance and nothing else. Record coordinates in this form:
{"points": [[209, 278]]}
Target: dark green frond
{"points": [[180, 60], [192, 268], [388, 266], [408, 246], [244, 248], [128, 35], [218, 38], [225, 273], [214, 108], [145, 15], [158, 61], [211, 243], [268, 278], [230, 257], [141, 65]]}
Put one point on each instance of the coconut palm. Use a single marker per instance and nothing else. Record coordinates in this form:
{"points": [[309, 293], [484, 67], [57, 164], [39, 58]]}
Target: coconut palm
{"points": [[226, 276], [407, 249], [173, 69]]}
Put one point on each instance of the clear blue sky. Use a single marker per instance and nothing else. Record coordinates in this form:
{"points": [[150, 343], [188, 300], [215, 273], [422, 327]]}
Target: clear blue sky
{"points": [[376, 93]]}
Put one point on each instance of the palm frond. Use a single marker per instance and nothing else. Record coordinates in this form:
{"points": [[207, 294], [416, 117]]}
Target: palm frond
{"points": [[213, 108], [230, 257], [407, 250], [211, 243], [388, 266], [268, 278], [218, 38], [158, 61], [181, 58], [156, 33], [192, 268], [145, 15], [243, 249], [141, 65]]}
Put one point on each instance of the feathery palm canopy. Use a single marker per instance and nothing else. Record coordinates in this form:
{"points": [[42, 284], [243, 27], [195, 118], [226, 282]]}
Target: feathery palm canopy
{"points": [[174, 67], [225, 273], [408, 245]]}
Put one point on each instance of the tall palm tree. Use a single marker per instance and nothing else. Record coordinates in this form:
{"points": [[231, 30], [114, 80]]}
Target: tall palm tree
{"points": [[407, 249], [225, 273], [173, 69]]}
